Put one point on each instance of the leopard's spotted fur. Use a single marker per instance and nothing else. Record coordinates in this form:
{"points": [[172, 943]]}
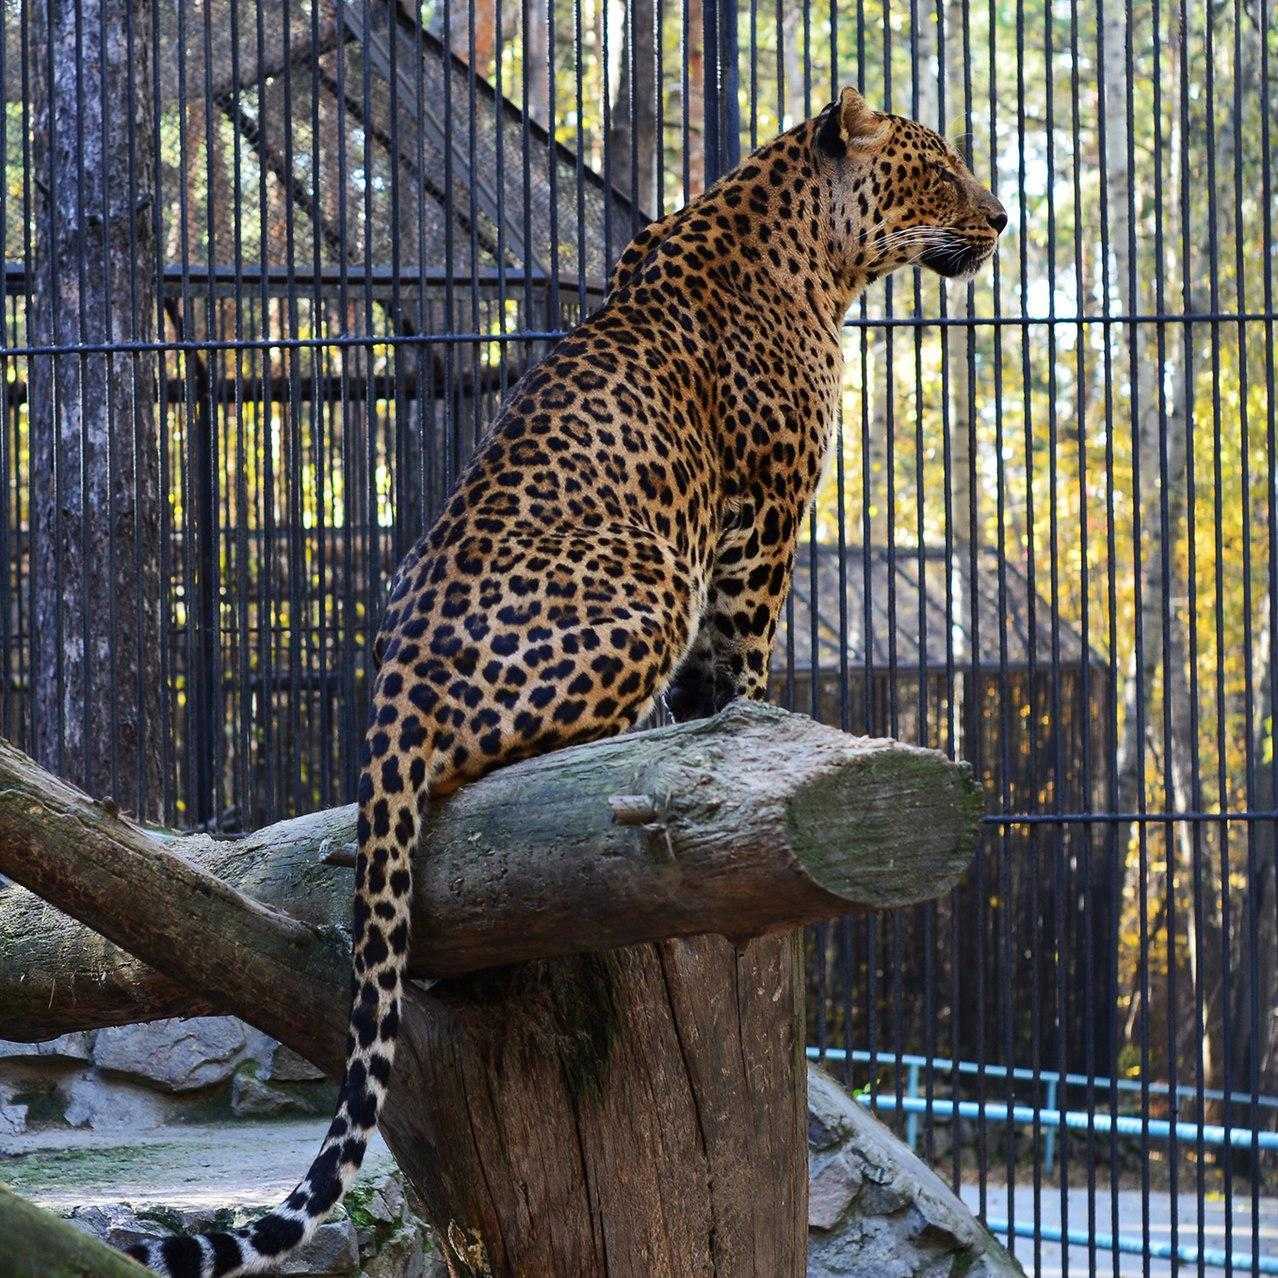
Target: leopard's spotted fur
{"points": [[625, 530]]}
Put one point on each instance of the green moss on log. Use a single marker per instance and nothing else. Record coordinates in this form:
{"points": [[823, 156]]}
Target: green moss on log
{"points": [[37, 1244]]}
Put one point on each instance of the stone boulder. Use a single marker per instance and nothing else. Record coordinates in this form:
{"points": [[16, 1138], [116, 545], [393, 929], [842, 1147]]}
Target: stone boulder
{"points": [[180, 1055], [77, 1046], [13, 1117], [277, 1063], [875, 1210], [105, 1105], [252, 1098]]}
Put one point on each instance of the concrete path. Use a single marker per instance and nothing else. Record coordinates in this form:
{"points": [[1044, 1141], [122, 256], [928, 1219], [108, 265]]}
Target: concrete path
{"points": [[1052, 1262]]}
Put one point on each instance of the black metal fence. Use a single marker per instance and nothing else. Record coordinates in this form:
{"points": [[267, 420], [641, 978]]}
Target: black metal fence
{"points": [[270, 268]]}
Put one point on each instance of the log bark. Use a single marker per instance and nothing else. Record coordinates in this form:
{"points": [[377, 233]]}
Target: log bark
{"points": [[620, 1112], [39, 1245]]}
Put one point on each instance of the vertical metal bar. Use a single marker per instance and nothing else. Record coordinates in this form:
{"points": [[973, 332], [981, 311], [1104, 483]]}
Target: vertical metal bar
{"points": [[1251, 942], [1221, 742], [710, 61], [210, 452], [10, 516], [1114, 875], [83, 335], [1033, 845], [1271, 496], [729, 83], [242, 639], [102, 197], [324, 738], [266, 445], [143, 801]]}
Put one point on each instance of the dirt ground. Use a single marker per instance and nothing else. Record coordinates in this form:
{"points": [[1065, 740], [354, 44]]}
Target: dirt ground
{"points": [[222, 1165]]}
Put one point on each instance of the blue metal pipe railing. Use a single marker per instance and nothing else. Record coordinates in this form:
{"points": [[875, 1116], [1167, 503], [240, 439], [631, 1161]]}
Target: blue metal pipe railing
{"points": [[1052, 1119], [944, 1066], [1079, 1121], [1048, 1115]]}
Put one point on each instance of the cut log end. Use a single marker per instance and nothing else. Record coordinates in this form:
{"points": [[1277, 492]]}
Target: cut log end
{"points": [[888, 826]]}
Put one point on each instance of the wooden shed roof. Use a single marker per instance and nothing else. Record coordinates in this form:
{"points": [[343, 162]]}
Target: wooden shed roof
{"points": [[894, 612]]}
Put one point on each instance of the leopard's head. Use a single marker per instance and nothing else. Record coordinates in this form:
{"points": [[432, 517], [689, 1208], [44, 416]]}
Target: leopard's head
{"points": [[901, 195]]}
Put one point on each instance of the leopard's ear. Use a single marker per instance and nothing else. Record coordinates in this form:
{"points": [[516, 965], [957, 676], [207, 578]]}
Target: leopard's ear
{"points": [[848, 124]]}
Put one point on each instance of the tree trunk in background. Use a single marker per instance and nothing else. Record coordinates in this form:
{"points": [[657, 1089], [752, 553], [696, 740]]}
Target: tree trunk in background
{"points": [[485, 35], [1155, 535], [96, 500], [695, 106], [1162, 449], [536, 17], [1143, 665], [634, 123], [958, 343], [1252, 1059], [1259, 914]]}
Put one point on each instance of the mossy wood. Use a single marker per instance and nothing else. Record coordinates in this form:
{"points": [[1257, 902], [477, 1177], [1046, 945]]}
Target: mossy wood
{"points": [[629, 1097], [37, 1244]]}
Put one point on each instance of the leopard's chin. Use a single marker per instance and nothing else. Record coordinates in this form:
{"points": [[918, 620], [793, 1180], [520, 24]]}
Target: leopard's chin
{"points": [[961, 260]]}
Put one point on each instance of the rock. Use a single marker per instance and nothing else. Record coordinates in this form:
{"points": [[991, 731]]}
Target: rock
{"points": [[288, 1067], [89, 1100], [77, 1046], [13, 1120], [252, 1098], [407, 1253], [277, 1063], [876, 1210], [332, 1249], [177, 1055], [117, 1225], [834, 1183], [386, 1204]]}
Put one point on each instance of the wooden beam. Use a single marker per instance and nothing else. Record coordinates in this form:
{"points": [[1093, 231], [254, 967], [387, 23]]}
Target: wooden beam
{"points": [[373, 24]]}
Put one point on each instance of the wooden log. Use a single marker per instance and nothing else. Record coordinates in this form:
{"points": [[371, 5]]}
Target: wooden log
{"points": [[679, 831], [36, 1244], [634, 1109]]}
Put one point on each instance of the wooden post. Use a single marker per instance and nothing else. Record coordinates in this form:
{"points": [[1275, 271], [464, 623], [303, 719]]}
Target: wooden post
{"points": [[96, 511]]}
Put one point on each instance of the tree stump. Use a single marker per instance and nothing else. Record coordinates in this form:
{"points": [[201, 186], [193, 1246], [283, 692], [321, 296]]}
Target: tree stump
{"points": [[636, 1112]]}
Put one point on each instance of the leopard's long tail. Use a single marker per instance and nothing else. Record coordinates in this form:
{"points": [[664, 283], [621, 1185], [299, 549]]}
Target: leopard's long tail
{"points": [[388, 827]]}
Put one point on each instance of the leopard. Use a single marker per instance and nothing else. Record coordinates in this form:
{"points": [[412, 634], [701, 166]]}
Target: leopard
{"points": [[622, 536]]}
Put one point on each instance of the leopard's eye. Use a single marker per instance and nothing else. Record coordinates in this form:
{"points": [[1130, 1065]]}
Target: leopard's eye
{"points": [[942, 172]]}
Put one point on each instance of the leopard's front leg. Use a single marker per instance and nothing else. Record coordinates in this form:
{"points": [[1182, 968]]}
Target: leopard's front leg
{"points": [[751, 577]]}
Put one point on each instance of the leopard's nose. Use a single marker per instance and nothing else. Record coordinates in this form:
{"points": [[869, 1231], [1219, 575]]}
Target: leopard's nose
{"points": [[997, 218]]}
